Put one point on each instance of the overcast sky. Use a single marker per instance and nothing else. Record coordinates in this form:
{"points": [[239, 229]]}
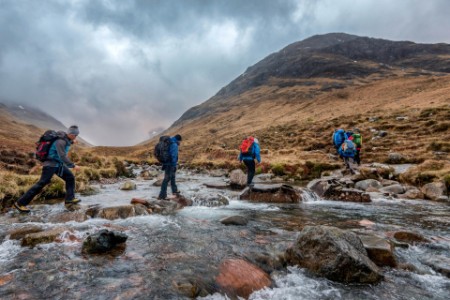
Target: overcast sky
{"points": [[119, 68]]}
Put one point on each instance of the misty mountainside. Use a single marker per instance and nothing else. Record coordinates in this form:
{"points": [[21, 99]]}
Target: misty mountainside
{"points": [[22, 125], [342, 57], [294, 99]]}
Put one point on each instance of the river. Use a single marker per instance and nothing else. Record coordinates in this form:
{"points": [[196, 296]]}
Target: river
{"points": [[165, 251]]}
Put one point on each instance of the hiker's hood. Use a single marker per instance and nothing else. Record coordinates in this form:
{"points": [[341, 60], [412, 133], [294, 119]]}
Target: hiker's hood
{"points": [[256, 141]]}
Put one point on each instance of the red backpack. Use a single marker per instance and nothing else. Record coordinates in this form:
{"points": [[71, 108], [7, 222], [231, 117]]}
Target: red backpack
{"points": [[247, 146]]}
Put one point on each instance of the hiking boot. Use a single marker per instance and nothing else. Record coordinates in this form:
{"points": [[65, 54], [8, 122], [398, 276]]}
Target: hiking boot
{"points": [[177, 193], [73, 201], [163, 198], [21, 208]]}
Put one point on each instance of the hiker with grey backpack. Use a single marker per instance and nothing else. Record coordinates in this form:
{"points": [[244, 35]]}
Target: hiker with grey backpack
{"points": [[52, 149]]}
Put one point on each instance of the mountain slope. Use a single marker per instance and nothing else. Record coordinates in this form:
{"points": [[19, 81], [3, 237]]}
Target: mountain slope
{"points": [[292, 101]]}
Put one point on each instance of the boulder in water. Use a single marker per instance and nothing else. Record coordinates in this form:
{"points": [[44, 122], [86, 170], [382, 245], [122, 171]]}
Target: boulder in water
{"points": [[379, 250], [128, 186], [103, 241], [273, 193], [365, 184], [434, 190], [43, 237], [238, 179], [238, 277], [333, 253], [118, 212], [410, 237], [234, 220]]}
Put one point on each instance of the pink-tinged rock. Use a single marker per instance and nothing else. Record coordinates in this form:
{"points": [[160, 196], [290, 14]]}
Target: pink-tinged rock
{"points": [[240, 278]]}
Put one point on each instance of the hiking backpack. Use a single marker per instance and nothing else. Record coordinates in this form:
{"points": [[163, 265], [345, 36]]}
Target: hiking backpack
{"points": [[338, 137], [348, 148], [162, 149], [44, 144], [247, 146], [357, 139]]}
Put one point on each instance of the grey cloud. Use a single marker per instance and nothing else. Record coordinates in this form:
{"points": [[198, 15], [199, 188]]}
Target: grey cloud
{"points": [[120, 68]]}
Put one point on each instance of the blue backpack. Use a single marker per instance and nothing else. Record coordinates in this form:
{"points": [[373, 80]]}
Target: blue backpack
{"points": [[348, 149], [338, 137]]}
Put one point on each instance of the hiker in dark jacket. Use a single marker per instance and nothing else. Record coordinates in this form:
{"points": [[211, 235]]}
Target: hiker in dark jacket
{"points": [[57, 163], [170, 169], [249, 158]]}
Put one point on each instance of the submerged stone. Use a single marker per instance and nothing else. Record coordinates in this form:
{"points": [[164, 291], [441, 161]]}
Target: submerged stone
{"points": [[103, 241], [234, 220], [43, 237], [379, 250]]}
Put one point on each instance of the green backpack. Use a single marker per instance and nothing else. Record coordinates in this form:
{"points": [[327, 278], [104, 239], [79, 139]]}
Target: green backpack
{"points": [[357, 139]]}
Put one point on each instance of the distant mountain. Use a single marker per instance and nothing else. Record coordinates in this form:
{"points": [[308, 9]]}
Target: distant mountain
{"points": [[293, 99], [23, 124], [336, 56]]}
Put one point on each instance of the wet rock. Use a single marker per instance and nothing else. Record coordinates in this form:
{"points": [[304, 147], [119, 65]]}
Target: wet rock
{"points": [[238, 179], [349, 195], [103, 241], [20, 233], [158, 182], [121, 212], [268, 262], [379, 250], [182, 201], [393, 189], [262, 178], [410, 237], [439, 263], [213, 200], [43, 237], [128, 186], [234, 220], [163, 207], [333, 253], [217, 185], [320, 186], [6, 278], [64, 217], [412, 193], [387, 182], [238, 277], [140, 201], [272, 193], [434, 190], [191, 288], [365, 184]]}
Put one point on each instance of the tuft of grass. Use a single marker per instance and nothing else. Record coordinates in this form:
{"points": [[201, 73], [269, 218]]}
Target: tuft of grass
{"points": [[278, 169]]}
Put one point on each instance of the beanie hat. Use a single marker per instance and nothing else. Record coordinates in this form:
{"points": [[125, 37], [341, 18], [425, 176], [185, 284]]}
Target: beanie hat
{"points": [[178, 137], [73, 130]]}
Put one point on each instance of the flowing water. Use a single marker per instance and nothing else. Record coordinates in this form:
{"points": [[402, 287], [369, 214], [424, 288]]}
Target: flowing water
{"points": [[165, 251]]}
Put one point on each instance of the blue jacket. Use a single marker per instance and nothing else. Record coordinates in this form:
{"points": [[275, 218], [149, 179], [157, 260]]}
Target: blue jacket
{"points": [[57, 155], [173, 151], [256, 154]]}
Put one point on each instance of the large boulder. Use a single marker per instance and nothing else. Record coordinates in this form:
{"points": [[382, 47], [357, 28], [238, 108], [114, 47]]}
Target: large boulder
{"points": [[434, 190], [238, 277], [332, 189], [412, 193], [333, 253], [238, 179], [211, 200], [393, 189], [103, 241], [274, 193], [379, 250]]}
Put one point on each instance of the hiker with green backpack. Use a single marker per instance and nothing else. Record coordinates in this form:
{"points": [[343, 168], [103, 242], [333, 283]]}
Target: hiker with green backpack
{"points": [[357, 140]]}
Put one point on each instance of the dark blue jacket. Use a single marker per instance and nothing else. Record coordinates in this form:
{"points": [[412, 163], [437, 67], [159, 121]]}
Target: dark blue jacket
{"points": [[57, 155], [173, 151], [256, 154]]}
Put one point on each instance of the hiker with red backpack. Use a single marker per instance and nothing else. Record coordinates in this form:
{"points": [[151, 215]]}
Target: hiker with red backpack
{"points": [[52, 150], [166, 151], [249, 151]]}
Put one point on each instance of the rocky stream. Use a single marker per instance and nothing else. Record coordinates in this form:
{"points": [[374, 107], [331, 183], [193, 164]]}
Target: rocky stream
{"points": [[283, 242]]}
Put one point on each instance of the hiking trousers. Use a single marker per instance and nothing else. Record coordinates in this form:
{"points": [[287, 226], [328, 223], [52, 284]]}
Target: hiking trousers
{"points": [[46, 176], [250, 164], [169, 175]]}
